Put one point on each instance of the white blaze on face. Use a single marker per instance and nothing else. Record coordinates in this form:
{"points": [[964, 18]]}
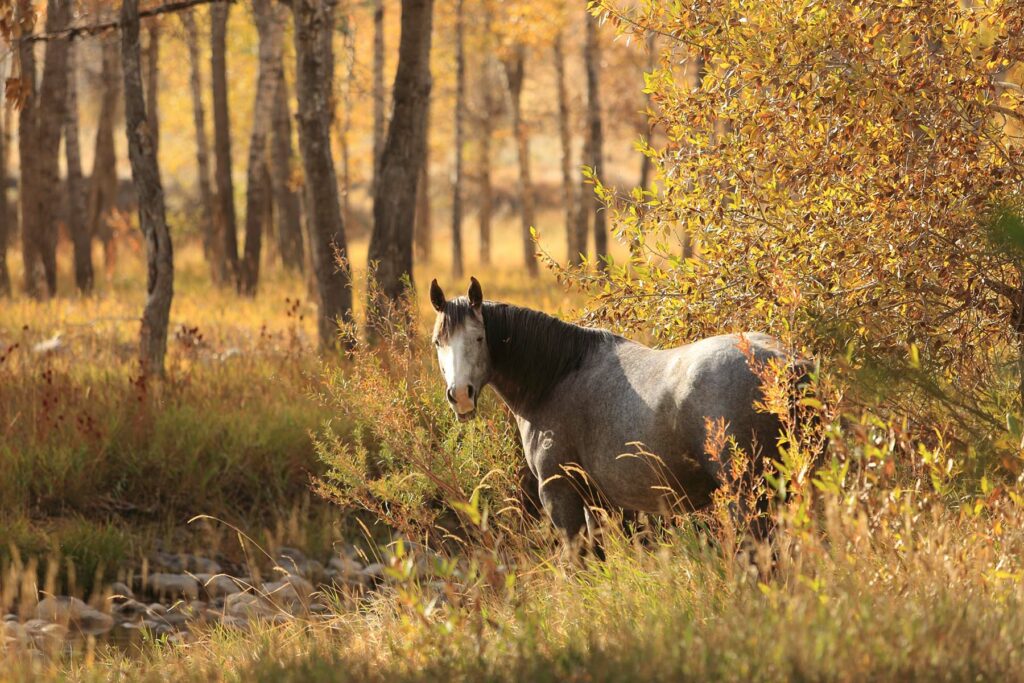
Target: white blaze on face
{"points": [[463, 359]]}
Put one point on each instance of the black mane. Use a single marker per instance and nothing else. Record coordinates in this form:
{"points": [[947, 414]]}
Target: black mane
{"points": [[531, 352]]}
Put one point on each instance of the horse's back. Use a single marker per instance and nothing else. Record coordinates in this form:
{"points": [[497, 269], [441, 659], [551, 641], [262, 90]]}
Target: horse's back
{"points": [[665, 400]]}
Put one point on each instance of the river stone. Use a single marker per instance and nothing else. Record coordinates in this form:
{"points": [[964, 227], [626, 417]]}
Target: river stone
{"points": [[76, 614], [247, 605], [11, 632], [121, 591], [129, 609], [292, 591], [174, 586], [218, 585]]}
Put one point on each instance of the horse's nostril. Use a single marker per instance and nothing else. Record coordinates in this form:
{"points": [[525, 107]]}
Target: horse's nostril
{"points": [[469, 391], [451, 395]]}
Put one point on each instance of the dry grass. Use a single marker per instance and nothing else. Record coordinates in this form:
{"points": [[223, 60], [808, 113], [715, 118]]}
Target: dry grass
{"points": [[876, 576]]}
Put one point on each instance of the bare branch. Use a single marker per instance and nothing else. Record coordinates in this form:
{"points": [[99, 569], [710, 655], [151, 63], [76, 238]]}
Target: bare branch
{"points": [[72, 32]]}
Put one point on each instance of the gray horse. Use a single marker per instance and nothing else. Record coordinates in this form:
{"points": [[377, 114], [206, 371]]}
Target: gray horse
{"points": [[586, 400]]}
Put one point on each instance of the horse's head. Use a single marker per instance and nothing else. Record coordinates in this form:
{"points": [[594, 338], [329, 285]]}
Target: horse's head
{"points": [[461, 347]]}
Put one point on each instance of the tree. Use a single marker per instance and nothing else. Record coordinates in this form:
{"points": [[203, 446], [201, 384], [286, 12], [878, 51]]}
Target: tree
{"points": [[225, 214], [460, 106], [289, 217], [645, 162], [152, 215], [103, 179], [5, 226], [153, 79], [864, 199], [592, 152], [314, 20], [379, 101], [40, 125], [80, 238], [576, 240], [394, 195], [515, 65], [212, 246], [269, 24]]}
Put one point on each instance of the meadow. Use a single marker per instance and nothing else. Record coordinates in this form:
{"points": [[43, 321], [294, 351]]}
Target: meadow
{"points": [[265, 504], [878, 577]]}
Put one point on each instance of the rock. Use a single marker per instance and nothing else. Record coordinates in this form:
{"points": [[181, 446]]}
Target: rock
{"points": [[374, 572], [130, 610], [10, 617], [290, 592], [51, 345], [13, 633], [180, 563], [47, 636], [247, 606], [121, 592], [156, 609], [174, 586], [218, 585], [75, 614]]}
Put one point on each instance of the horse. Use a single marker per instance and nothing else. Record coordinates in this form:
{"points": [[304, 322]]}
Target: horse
{"points": [[605, 418]]}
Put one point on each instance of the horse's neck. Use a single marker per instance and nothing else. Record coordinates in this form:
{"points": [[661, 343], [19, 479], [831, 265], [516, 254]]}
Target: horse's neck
{"points": [[518, 373]]}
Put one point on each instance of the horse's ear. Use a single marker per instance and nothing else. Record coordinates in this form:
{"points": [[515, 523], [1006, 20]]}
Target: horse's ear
{"points": [[436, 296], [476, 294]]}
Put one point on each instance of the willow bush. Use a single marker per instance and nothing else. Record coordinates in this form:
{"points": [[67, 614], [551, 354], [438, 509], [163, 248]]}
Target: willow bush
{"points": [[848, 176]]}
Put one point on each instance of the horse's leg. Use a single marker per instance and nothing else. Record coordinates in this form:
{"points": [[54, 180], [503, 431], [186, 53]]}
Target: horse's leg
{"points": [[594, 532], [564, 506]]}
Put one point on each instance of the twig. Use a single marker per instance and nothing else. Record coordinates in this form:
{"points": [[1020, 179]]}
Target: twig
{"points": [[72, 32]]}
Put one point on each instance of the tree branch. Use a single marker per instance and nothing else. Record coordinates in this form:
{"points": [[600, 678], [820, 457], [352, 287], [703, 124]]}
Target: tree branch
{"points": [[72, 32]]}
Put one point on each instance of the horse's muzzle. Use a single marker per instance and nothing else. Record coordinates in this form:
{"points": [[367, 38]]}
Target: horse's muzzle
{"points": [[466, 417]]}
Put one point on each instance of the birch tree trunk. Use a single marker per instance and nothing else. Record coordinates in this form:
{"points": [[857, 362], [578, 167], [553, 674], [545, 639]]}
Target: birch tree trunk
{"points": [[152, 215], [225, 214], [314, 21], [80, 237], [212, 247], [289, 216], [269, 24], [394, 196], [515, 71], [460, 106]]}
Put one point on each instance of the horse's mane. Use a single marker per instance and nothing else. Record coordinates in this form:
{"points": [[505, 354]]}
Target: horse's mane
{"points": [[531, 352]]}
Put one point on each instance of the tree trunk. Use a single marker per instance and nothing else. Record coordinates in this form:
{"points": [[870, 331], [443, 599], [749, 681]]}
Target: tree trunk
{"points": [[225, 214], [80, 237], [424, 226], [486, 191], [42, 119], [5, 227], [645, 166], [152, 216], [514, 71], [103, 180], [378, 87], [211, 245], [460, 106], [576, 241], [27, 187], [592, 62], [289, 217], [269, 24], [314, 21], [402, 158], [346, 123], [153, 80]]}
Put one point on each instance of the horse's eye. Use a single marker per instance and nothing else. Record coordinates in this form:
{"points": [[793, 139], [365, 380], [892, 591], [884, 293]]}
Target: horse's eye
{"points": [[479, 339]]}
